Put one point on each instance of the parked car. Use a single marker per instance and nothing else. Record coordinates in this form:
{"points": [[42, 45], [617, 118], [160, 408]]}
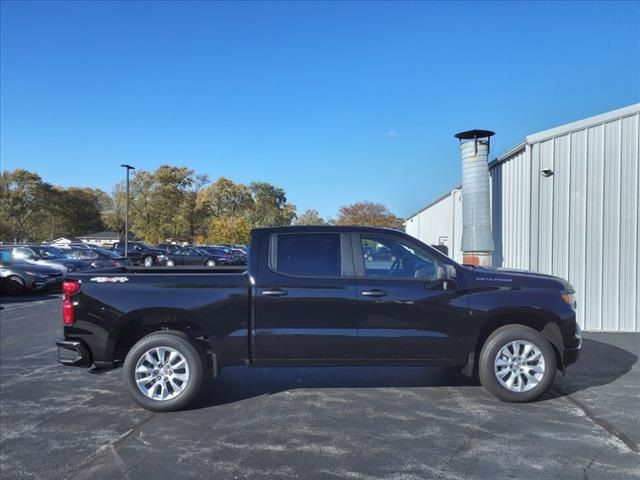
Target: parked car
{"points": [[191, 256], [46, 255], [18, 277], [383, 254], [221, 255], [168, 248], [141, 254], [240, 255], [308, 297], [75, 245], [99, 257], [234, 256]]}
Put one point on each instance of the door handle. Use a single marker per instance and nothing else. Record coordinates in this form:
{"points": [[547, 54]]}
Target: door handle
{"points": [[374, 293], [276, 292]]}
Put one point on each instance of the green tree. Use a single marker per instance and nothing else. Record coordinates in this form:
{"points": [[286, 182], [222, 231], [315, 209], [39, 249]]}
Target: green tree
{"points": [[368, 214], [113, 213], [310, 217], [77, 211], [156, 201], [24, 203], [270, 207]]}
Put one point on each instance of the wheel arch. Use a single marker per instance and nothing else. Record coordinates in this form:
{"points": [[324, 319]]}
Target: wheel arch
{"points": [[139, 324], [544, 322]]}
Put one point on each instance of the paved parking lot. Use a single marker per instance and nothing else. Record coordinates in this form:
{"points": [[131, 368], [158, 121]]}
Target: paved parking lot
{"points": [[352, 423]]}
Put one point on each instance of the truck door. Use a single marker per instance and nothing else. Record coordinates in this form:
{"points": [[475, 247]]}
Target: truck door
{"points": [[305, 298], [406, 312]]}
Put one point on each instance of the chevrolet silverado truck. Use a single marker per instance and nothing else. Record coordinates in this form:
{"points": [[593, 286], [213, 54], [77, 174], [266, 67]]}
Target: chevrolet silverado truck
{"points": [[310, 295]]}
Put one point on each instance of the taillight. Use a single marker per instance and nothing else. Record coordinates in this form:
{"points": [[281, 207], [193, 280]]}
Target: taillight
{"points": [[115, 262], [69, 287]]}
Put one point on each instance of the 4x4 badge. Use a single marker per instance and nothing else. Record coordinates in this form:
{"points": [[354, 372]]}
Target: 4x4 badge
{"points": [[110, 279]]}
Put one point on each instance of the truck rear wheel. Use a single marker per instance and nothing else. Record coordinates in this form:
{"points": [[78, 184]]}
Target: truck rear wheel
{"points": [[517, 364], [164, 372]]}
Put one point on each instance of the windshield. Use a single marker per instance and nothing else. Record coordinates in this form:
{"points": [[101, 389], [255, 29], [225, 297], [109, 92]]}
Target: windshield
{"points": [[49, 252], [106, 253]]}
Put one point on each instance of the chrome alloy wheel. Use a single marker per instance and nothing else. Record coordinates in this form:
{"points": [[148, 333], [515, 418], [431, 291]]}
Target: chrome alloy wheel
{"points": [[162, 373], [519, 366]]}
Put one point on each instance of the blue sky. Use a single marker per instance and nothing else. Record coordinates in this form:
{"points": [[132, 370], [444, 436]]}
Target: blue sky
{"points": [[334, 102]]}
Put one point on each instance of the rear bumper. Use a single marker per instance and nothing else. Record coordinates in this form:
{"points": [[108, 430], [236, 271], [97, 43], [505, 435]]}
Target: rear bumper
{"points": [[73, 352]]}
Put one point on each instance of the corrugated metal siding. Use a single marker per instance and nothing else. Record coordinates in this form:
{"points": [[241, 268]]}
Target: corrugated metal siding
{"points": [[440, 223], [582, 223], [629, 313], [578, 217], [591, 298], [511, 211]]}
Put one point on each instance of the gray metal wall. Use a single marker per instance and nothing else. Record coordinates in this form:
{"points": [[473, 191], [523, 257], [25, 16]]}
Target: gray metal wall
{"points": [[581, 223], [440, 223]]}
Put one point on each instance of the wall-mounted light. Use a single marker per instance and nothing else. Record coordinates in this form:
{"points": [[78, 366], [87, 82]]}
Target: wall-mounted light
{"points": [[546, 172]]}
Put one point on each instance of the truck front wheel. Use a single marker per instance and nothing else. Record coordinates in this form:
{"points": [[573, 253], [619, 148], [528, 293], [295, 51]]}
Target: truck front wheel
{"points": [[163, 372], [517, 364]]}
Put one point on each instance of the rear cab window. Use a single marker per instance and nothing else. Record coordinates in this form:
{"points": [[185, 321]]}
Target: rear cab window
{"points": [[306, 254]]}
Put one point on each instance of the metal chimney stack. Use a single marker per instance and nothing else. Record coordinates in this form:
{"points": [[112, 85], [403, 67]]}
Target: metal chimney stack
{"points": [[477, 240]]}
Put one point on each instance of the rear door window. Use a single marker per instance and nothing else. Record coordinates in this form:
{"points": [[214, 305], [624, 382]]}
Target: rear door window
{"points": [[307, 254]]}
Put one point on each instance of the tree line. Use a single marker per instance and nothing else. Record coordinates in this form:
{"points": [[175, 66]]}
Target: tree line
{"points": [[170, 203]]}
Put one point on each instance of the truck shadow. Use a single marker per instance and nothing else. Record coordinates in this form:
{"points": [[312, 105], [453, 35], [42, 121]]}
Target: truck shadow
{"points": [[600, 364]]}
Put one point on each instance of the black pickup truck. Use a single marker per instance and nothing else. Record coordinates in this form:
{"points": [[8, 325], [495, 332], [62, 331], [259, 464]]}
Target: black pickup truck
{"points": [[311, 296]]}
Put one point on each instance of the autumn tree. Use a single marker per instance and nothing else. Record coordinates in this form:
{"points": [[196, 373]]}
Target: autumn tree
{"points": [[226, 229], [368, 214], [225, 198], [310, 217], [192, 214]]}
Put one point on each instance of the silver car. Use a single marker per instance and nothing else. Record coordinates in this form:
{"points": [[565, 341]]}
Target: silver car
{"points": [[18, 276], [46, 255]]}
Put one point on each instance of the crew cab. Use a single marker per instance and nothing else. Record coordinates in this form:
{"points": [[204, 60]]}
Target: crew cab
{"points": [[309, 296], [140, 253]]}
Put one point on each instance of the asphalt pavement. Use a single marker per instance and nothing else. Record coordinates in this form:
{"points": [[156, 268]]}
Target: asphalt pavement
{"points": [[311, 423]]}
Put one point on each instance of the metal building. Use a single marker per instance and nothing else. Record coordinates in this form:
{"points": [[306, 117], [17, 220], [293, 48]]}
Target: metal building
{"points": [[565, 201]]}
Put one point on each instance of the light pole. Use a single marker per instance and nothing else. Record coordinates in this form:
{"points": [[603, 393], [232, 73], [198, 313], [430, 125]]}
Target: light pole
{"points": [[126, 213]]}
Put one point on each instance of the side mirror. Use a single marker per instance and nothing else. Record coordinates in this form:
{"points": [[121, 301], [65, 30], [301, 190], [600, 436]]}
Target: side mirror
{"points": [[446, 272]]}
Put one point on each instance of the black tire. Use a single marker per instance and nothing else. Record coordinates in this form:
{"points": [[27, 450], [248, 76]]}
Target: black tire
{"points": [[192, 355], [210, 263], [502, 338], [14, 286], [148, 261]]}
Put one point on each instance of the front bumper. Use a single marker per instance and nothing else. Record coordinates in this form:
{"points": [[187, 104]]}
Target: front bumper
{"points": [[571, 355], [73, 352]]}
